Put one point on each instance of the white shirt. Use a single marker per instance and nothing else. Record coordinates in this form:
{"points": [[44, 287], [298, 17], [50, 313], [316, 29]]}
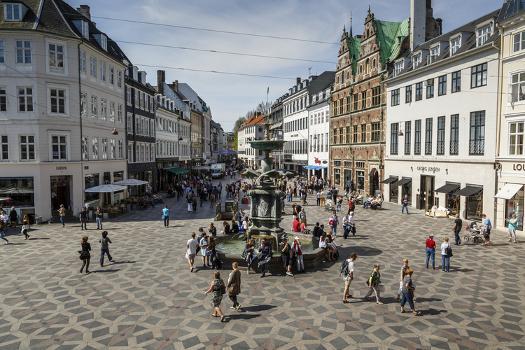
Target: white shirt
{"points": [[444, 247], [350, 265], [349, 219], [192, 246], [322, 244]]}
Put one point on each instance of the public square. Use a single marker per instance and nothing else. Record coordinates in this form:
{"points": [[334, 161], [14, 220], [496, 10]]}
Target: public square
{"points": [[148, 299]]}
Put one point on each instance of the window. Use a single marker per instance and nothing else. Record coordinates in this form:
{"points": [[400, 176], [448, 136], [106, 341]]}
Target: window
{"points": [[483, 34], [4, 147], [408, 136], [417, 59], [454, 134], [519, 41], [363, 132], [417, 135], [83, 62], [430, 88], [119, 113], [335, 136], [440, 148], [356, 132], [112, 111], [516, 133], [93, 66], [455, 45], [83, 104], [25, 99], [376, 96], [103, 71], [376, 132], [58, 147], [56, 57], [478, 75], [408, 94], [477, 133], [94, 106], [363, 100], [57, 99], [419, 91], [119, 79], [442, 85], [456, 82], [84, 147], [428, 136], [3, 99], [517, 87], [103, 108], [356, 102], [398, 67], [23, 52], [2, 52], [348, 134], [434, 53], [112, 75], [94, 148], [104, 148], [13, 12], [394, 132], [27, 147], [394, 97]]}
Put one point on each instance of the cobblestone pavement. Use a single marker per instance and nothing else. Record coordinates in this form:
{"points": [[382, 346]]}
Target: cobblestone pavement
{"points": [[148, 298]]}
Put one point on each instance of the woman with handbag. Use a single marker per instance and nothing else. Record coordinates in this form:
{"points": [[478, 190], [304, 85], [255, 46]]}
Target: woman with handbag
{"points": [[85, 255], [373, 283], [446, 253], [234, 286], [218, 289], [347, 271]]}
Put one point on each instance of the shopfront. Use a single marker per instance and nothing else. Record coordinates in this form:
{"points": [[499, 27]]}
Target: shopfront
{"points": [[452, 199], [426, 192], [405, 184], [513, 196], [473, 201], [60, 192], [18, 192], [393, 189]]}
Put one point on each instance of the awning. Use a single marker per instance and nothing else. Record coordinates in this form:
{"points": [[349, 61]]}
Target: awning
{"points": [[105, 189], [177, 170], [5, 199], [448, 188], [314, 167], [508, 191], [390, 180], [404, 181], [469, 191], [130, 182]]}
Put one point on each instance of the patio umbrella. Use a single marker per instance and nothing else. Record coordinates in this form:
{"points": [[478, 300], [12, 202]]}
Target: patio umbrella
{"points": [[130, 182], [105, 189]]}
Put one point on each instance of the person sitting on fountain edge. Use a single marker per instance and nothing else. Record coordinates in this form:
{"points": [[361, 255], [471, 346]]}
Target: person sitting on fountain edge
{"points": [[296, 224]]}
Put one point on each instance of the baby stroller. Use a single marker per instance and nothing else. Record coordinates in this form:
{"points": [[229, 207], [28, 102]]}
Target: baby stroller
{"points": [[329, 205], [474, 234]]}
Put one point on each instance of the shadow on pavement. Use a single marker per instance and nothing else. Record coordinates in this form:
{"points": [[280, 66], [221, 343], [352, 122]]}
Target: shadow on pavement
{"points": [[255, 308], [37, 238], [241, 316], [359, 250], [122, 262], [432, 312], [105, 271]]}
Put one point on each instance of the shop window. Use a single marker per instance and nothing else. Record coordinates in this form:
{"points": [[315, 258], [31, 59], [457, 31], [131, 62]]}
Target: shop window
{"points": [[337, 176], [474, 207], [515, 206], [19, 189], [360, 175]]}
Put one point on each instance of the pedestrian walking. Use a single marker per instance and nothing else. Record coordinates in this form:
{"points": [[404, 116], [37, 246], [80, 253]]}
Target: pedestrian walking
{"points": [[407, 293], [166, 216], [286, 257], [431, 251], [62, 215], [486, 227], [189, 200], [13, 217], [404, 268], [85, 254], [203, 244], [318, 198], [404, 204], [191, 251], [264, 257], [298, 253], [3, 226], [373, 283], [512, 225], [234, 286], [25, 227], [212, 230], [83, 218], [218, 289], [446, 253], [347, 271], [332, 222], [104, 248], [98, 218], [458, 224]]}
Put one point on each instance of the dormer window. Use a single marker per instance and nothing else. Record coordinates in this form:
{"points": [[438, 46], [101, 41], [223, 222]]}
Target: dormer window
{"points": [[434, 53], [483, 34], [417, 59], [455, 45], [398, 67], [13, 12], [102, 40]]}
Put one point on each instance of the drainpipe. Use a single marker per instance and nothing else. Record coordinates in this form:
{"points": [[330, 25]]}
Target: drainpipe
{"points": [[82, 180], [499, 104]]}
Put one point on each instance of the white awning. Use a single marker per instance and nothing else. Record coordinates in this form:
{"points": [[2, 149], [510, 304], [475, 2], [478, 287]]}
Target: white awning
{"points": [[130, 182], [508, 191], [105, 189]]}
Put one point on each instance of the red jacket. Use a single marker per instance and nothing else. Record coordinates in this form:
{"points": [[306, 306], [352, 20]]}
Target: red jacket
{"points": [[431, 243], [296, 226]]}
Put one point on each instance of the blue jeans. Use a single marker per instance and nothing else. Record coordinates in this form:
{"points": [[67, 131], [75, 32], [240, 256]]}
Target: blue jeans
{"points": [[403, 208], [445, 263], [456, 236], [102, 252], [431, 254], [334, 230], [166, 221], [62, 220], [407, 297], [99, 223]]}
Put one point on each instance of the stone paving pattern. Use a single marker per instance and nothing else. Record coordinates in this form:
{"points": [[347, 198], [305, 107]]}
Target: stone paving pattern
{"points": [[148, 299]]}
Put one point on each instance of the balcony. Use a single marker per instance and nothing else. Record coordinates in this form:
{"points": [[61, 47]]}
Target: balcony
{"points": [[477, 147]]}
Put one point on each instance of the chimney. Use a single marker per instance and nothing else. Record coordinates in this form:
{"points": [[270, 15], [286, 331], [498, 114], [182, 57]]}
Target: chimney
{"points": [[418, 20], [84, 11], [175, 86], [142, 77], [297, 81], [161, 79]]}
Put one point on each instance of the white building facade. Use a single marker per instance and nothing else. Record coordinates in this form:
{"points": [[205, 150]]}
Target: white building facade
{"points": [[61, 109], [251, 130], [511, 156], [442, 112]]}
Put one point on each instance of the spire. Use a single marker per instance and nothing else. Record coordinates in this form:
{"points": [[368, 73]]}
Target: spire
{"points": [[351, 35]]}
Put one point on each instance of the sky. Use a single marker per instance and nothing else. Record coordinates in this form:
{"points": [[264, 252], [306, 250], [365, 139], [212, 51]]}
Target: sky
{"points": [[232, 96]]}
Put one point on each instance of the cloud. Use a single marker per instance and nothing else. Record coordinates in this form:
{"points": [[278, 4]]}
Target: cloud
{"points": [[231, 96]]}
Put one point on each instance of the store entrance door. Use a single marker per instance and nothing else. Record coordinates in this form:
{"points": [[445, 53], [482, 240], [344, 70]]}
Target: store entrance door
{"points": [[426, 192], [60, 193]]}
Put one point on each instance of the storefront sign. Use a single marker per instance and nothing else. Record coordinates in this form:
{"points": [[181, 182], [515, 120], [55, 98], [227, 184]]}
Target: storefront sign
{"points": [[429, 169], [518, 167], [61, 168]]}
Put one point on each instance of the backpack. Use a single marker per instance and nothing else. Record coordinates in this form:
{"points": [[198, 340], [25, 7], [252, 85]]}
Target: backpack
{"points": [[344, 268], [449, 251], [331, 221]]}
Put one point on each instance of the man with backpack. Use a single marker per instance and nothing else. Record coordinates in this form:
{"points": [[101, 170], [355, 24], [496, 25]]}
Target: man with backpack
{"points": [[347, 272], [332, 222]]}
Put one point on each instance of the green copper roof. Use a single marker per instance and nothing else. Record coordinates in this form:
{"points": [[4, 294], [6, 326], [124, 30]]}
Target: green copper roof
{"points": [[390, 36], [354, 45]]}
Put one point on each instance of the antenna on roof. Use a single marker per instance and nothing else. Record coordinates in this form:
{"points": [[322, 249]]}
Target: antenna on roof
{"points": [[351, 24]]}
